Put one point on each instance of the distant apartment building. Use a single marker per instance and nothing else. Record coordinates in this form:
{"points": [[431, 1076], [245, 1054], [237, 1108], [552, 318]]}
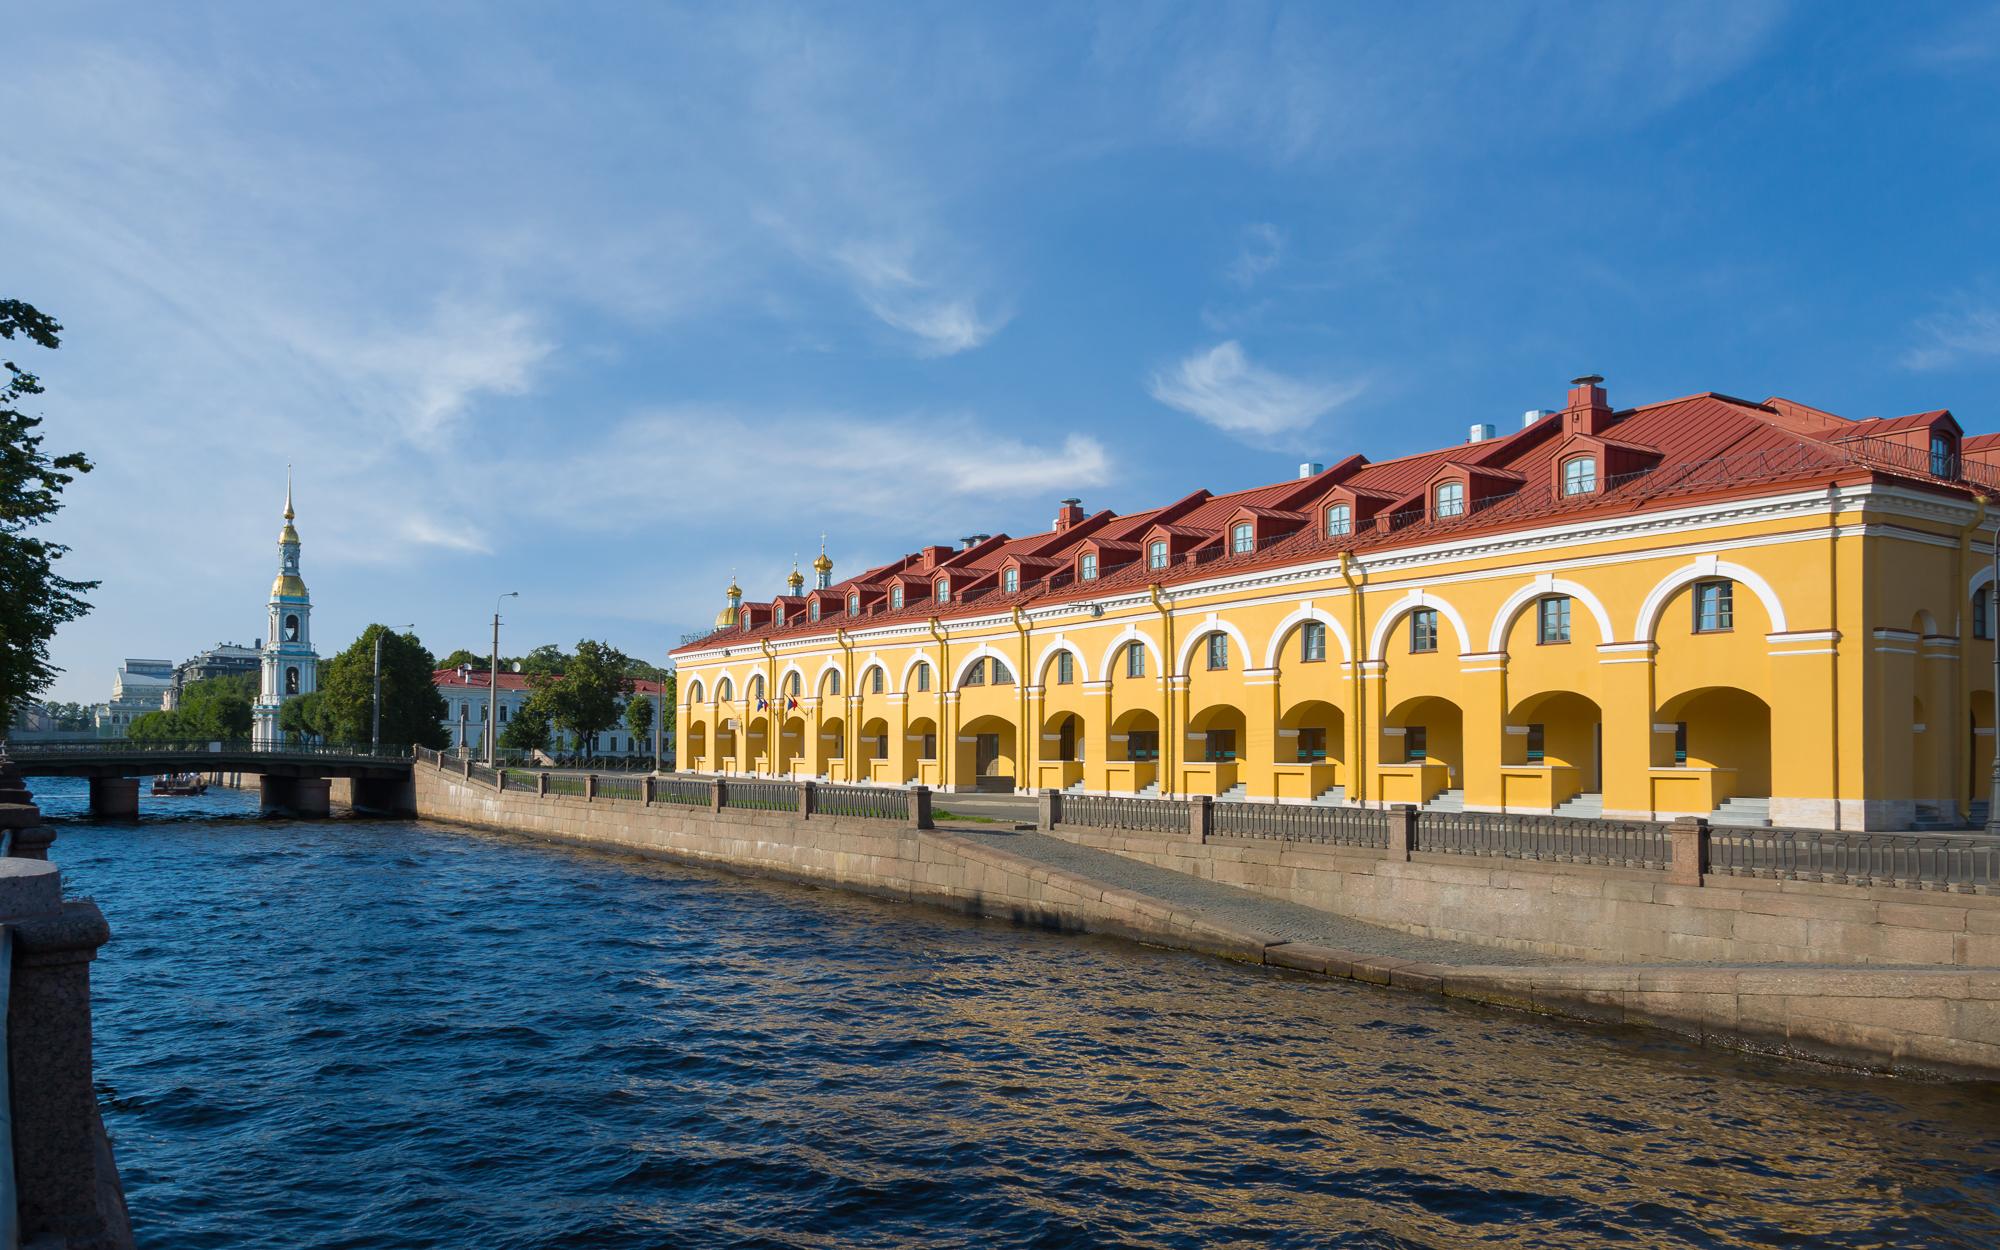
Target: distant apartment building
{"points": [[224, 659], [138, 687], [466, 697]]}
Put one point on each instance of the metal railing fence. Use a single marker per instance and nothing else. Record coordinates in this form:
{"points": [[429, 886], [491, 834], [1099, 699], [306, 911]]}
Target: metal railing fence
{"points": [[628, 789], [1299, 822], [1108, 811], [688, 791], [1969, 863], [761, 796], [1549, 839], [872, 802]]}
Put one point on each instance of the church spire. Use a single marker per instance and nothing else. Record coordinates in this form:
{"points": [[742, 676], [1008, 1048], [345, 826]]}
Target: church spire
{"points": [[823, 567]]}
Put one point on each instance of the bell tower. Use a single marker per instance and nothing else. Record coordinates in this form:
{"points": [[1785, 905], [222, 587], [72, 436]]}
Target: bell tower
{"points": [[290, 666]]}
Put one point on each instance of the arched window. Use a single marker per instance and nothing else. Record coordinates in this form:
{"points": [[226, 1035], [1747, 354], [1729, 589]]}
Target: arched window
{"points": [[746, 622], [757, 686], [1065, 668], [812, 610], [854, 603], [792, 684], [923, 676], [975, 675], [896, 596], [1010, 579], [1135, 659], [1242, 538], [1312, 642], [778, 614], [1449, 499], [291, 680], [694, 693], [1579, 476], [1086, 567], [1218, 650], [1552, 619], [1002, 675], [1156, 554], [943, 594], [291, 627], [875, 680], [833, 682], [725, 690], [1424, 630], [1339, 520]]}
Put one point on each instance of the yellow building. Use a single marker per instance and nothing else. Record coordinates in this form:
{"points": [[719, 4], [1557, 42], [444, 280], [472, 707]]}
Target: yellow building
{"points": [[1704, 606]]}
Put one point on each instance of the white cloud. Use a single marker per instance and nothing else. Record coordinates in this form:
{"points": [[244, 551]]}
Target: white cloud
{"points": [[1971, 331], [1263, 245], [1223, 387], [943, 323]]}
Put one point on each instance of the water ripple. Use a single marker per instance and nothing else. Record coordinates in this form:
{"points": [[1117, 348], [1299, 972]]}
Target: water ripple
{"points": [[365, 1034]]}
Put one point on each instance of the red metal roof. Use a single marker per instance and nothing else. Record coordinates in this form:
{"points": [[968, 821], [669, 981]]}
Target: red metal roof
{"points": [[1708, 445]]}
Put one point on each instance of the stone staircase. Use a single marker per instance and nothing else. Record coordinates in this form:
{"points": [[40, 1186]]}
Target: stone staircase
{"points": [[1583, 806], [1332, 796], [1754, 813], [1447, 801], [1234, 794], [1152, 790]]}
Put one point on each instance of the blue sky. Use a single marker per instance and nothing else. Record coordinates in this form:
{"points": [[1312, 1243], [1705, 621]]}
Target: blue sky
{"points": [[602, 304]]}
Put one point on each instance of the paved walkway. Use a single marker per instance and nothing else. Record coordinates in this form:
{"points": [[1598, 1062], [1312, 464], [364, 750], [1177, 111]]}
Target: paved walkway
{"points": [[1238, 908]]}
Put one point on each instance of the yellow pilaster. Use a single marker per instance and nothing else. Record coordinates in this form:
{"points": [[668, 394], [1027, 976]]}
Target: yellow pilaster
{"points": [[1626, 677], [1483, 683]]}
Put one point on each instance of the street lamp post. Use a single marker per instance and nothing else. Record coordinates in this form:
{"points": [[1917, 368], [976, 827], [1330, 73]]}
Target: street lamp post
{"points": [[375, 735], [493, 686]]}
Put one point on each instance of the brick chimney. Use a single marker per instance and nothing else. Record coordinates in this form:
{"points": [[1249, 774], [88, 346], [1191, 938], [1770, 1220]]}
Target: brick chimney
{"points": [[1589, 410], [1071, 513], [934, 555]]}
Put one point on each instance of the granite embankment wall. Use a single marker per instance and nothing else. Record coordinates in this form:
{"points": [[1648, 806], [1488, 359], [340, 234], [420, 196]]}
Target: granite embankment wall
{"points": [[1940, 1020], [869, 856], [1580, 912]]}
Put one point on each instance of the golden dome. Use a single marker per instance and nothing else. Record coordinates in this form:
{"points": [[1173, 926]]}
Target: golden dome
{"points": [[796, 580], [288, 586], [732, 614], [726, 619], [822, 564], [289, 535]]}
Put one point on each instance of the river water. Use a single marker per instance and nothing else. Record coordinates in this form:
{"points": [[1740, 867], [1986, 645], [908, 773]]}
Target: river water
{"points": [[394, 1034]]}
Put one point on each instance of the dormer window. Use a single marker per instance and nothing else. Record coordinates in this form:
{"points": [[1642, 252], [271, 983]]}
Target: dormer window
{"points": [[1944, 456], [1242, 538], [1156, 554], [1339, 520], [1448, 500], [746, 622], [1010, 580], [1086, 567], [896, 596], [854, 603], [943, 590], [812, 610], [1579, 476], [778, 615]]}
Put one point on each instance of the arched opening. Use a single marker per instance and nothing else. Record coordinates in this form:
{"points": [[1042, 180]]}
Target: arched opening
{"points": [[873, 748], [725, 746], [1927, 748], [829, 752], [922, 738], [1712, 751], [1061, 761], [987, 756], [1215, 743], [1423, 752], [792, 745], [696, 746], [758, 745], [1552, 752], [1311, 752], [1132, 753]]}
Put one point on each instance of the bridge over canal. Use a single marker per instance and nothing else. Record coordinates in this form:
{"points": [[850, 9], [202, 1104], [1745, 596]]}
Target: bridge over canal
{"points": [[294, 779]]}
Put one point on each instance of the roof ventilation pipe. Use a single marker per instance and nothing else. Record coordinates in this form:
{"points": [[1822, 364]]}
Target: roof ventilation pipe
{"points": [[1533, 415], [1480, 432], [1310, 468]]}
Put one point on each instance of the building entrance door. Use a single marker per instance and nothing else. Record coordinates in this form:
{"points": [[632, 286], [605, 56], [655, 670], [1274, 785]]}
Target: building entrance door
{"points": [[986, 753]]}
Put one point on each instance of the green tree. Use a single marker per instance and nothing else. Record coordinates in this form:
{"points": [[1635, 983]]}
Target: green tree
{"points": [[305, 717], [216, 710], [464, 657], [588, 695], [527, 731], [546, 660], [639, 723], [413, 711], [34, 598], [156, 727]]}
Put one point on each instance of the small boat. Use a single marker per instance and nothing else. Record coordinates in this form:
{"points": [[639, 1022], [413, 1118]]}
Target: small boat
{"points": [[179, 784]]}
